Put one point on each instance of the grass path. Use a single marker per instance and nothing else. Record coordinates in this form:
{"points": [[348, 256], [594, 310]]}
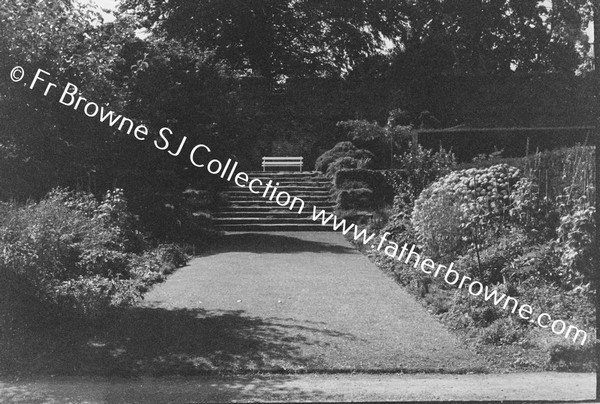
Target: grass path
{"points": [[282, 302]]}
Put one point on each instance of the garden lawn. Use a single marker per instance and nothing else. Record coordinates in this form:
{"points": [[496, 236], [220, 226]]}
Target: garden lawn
{"points": [[281, 302]]}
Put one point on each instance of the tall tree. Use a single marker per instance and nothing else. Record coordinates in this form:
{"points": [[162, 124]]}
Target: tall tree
{"points": [[491, 36], [294, 38]]}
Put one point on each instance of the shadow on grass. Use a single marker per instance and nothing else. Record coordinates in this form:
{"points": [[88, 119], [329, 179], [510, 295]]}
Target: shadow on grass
{"points": [[265, 243], [158, 342]]}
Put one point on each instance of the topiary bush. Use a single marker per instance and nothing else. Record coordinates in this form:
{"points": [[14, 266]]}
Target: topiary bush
{"points": [[359, 199], [344, 163], [373, 180], [342, 149], [463, 208], [360, 190]]}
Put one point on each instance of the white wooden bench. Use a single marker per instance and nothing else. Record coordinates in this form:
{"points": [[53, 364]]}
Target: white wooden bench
{"points": [[282, 162]]}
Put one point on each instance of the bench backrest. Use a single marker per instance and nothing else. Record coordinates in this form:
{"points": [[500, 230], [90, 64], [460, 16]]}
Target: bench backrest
{"points": [[296, 160], [282, 162]]}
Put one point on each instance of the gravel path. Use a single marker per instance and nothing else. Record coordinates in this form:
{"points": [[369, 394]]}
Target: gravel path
{"points": [[550, 387], [284, 302]]}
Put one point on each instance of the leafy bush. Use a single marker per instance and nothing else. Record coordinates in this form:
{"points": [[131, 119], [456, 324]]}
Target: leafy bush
{"points": [[472, 312], [383, 140], [464, 208], [344, 163], [171, 256], [503, 331], [78, 255], [571, 169], [576, 239], [574, 306], [400, 225], [417, 169], [489, 265], [342, 149]]}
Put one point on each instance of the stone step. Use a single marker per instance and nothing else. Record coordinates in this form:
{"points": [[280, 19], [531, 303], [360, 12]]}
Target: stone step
{"points": [[258, 202], [250, 214], [250, 196], [247, 211], [283, 184], [263, 220], [261, 190], [289, 178], [291, 188], [273, 227], [263, 208]]}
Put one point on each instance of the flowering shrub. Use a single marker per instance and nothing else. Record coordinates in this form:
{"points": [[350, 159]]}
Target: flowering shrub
{"points": [[463, 207]]}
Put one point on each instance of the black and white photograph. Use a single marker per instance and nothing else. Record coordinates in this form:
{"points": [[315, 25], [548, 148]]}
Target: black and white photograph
{"points": [[215, 201]]}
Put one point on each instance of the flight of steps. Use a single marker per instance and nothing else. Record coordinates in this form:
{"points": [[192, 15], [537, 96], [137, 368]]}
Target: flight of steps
{"points": [[246, 211]]}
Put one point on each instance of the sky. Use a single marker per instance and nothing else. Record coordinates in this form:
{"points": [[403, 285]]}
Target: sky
{"points": [[109, 4]]}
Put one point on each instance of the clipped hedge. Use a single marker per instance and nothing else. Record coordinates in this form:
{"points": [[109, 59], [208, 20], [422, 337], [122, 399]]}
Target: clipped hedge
{"points": [[358, 199], [346, 163], [342, 149]]}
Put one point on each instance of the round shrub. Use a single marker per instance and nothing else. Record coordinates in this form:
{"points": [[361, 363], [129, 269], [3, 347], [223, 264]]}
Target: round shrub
{"points": [[458, 209], [342, 149]]}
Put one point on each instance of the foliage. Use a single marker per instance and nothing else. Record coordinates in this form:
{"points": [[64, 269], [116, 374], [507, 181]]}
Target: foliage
{"points": [[80, 256], [416, 170], [71, 44], [345, 163], [530, 246], [301, 38], [573, 305], [576, 239], [388, 137], [566, 173], [464, 208], [494, 37], [503, 331], [282, 37], [489, 264], [342, 149], [363, 178], [360, 198], [567, 356]]}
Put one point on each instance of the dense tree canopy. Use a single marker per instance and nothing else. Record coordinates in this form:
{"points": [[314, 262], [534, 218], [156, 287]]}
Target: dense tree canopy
{"points": [[299, 38], [490, 36], [153, 81], [280, 37]]}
